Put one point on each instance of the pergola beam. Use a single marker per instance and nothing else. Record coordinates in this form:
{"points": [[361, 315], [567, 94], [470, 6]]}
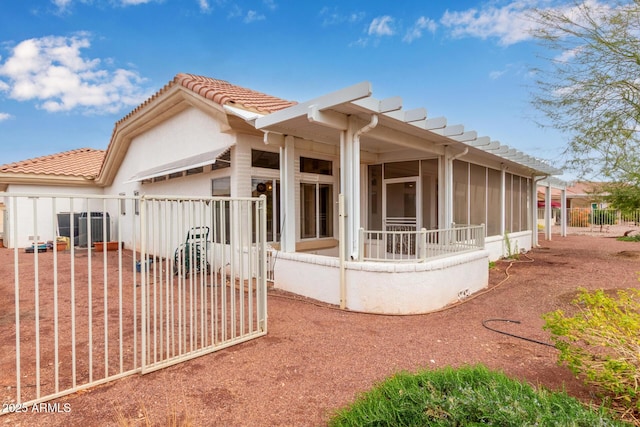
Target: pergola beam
{"points": [[408, 116], [466, 137], [450, 130], [349, 94], [327, 118], [371, 104]]}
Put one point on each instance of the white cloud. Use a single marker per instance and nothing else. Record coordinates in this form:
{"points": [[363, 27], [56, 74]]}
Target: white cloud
{"points": [[61, 4], [335, 17], [135, 2], [204, 5], [361, 42], [421, 24], [509, 23], [5, 116], [494, 75], [567, 55], [52, 71], [270, 4], [253, 16], [381, 26]]}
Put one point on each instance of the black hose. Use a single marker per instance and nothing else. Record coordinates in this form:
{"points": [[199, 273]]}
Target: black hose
{"points": [[484, 323]]}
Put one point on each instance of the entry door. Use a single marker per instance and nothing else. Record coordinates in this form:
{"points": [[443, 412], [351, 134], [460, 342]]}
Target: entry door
{"points": [[401, 204]]}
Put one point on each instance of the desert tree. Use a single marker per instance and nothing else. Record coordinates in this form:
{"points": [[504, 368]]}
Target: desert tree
{"points": [[588, 85]]}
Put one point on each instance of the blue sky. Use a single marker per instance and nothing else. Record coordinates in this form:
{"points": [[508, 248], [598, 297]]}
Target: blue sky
{"points": [[69, 69]]}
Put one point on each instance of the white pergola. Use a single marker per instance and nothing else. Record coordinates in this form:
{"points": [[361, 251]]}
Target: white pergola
{"points": [[549, 183], [352, 118]]}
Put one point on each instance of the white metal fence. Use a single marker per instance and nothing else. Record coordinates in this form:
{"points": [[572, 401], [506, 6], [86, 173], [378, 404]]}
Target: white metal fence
{"points": [[113, 286], [415, 246], [580, 220]]}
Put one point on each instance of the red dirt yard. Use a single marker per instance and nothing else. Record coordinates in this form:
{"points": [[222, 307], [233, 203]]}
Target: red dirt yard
{"points": [[316, 358]]}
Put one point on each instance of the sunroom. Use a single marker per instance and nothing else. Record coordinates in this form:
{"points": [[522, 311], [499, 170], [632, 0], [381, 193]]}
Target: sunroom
{"points": [[409, 215]]}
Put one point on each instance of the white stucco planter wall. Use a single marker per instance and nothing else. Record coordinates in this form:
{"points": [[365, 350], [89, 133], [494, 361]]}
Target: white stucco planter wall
{"points": [[388, 288], [497, 248]]}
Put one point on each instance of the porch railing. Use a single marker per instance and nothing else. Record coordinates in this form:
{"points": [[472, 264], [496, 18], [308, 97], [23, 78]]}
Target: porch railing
{"points": [[419, 245]]}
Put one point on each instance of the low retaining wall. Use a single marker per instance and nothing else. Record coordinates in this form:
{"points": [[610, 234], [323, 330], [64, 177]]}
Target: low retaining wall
{"points": [[385, 288], [497, 245]]}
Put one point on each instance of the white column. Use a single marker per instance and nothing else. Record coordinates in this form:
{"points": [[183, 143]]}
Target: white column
{"points": [[533, 194], [288, 196], [442, 190], [448, 190], [503, 195], [355, 200], [351, 234], [563, 212], [547, 212]]}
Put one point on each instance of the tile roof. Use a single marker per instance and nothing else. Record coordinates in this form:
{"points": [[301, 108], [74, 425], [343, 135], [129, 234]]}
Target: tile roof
{"points": [[82, 162], [87, 162], [221, 92]]}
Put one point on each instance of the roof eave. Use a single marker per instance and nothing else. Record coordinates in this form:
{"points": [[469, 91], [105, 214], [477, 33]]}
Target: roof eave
{"points": [[166, 105], [46, 179]]}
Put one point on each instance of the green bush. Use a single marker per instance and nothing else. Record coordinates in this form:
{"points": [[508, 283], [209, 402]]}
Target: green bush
{"points": [[464, 397], [634, 238], [601, 342]]}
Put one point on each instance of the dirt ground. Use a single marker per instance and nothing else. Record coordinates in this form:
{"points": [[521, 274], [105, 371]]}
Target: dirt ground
{"points": [[316, 358]]}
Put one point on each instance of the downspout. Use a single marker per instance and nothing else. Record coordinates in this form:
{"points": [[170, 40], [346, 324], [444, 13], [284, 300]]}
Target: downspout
{"points": [[534, 205], [349, 181], [355, 204], [457, 156]]}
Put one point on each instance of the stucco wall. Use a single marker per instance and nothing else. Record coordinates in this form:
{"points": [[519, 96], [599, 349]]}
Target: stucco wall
{"points": [[35, 217], [390, 288], [186, 134], [497, 246]]}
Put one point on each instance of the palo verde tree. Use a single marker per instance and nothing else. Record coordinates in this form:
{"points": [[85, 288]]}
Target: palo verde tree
{"points": [[589, 86]]}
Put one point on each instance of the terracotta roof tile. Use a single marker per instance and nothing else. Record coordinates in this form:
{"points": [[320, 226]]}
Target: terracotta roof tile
{"points": [[80, 162], [221, 92], [88, 162]]}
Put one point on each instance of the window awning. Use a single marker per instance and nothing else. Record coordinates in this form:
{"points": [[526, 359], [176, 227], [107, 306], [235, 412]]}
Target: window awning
{"points": [[187, 163]]}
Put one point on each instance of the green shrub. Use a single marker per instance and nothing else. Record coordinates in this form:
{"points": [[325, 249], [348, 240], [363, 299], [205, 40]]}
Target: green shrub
{"points": [[601, 342], [634, 238], [464, 397]]}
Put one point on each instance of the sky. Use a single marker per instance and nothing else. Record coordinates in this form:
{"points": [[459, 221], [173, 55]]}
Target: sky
{"points": [[69, 69]]}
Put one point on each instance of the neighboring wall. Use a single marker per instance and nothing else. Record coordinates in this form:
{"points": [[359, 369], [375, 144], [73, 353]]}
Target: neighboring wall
{"points": [[35, 216]]}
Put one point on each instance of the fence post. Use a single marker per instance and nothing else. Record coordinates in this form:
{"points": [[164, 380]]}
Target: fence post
{"points": [[361, 244], [422, 249], [143, 284], [263, 263]]}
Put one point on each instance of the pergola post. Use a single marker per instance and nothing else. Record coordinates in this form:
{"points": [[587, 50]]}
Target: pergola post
{"points": [[547, 212], [563, 212], [288, 196]]}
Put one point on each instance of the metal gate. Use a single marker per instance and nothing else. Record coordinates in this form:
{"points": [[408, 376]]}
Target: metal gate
{"points": [[98, 288]]}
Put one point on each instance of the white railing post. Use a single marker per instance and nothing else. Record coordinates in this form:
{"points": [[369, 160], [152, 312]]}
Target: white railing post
{"points": [[361, 244], [422, 244]]}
